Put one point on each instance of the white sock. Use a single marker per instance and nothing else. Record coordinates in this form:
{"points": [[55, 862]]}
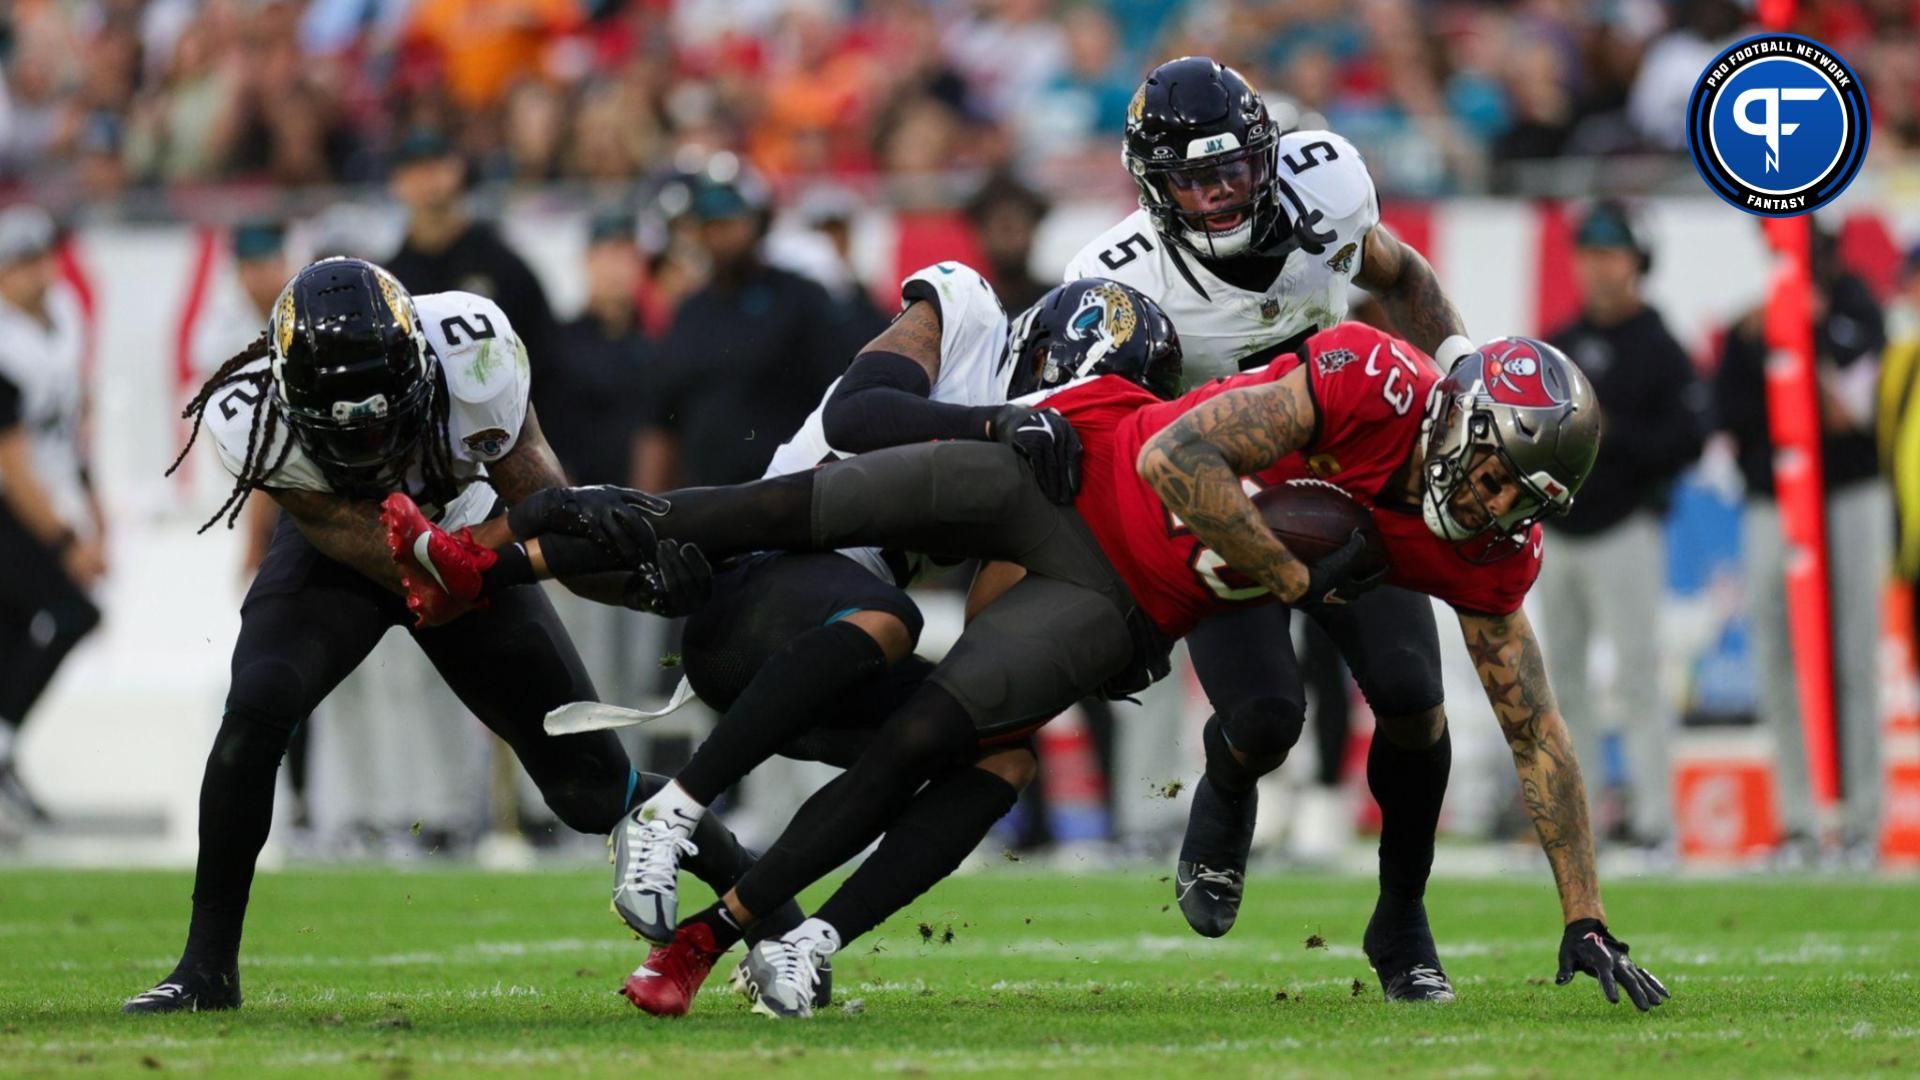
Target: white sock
{"points": [[674, 806], [816, 929]]}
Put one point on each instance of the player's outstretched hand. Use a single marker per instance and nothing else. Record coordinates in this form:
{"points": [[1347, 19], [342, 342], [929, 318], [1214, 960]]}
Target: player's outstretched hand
{"points": [[1339, 576], [679, 583], [596, 513], [1048, 442], [1588, 947]]}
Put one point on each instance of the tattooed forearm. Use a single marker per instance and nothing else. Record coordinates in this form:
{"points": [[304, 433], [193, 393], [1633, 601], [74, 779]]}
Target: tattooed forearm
{"points": [[345, 530], [1404, 283], [1195, 465], [1507, 656], [914, 334], [529, 467]]}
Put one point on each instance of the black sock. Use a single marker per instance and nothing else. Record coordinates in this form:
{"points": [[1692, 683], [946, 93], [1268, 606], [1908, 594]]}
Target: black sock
{"points": [[236, 810], [935, 834], [929, 735], [1409, 785], [783, 700], [512, 567], [716, 917]]}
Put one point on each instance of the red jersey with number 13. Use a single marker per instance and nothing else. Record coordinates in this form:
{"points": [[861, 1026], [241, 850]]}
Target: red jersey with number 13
{"points": [[1370, 390]]}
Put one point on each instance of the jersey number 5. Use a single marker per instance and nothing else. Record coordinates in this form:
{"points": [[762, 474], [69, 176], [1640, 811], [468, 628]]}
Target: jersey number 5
{"points": [[1115, 258]]}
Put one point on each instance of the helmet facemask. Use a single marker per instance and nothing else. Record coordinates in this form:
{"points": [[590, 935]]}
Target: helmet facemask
{"points": [[1247, 173], [1545, 448]]}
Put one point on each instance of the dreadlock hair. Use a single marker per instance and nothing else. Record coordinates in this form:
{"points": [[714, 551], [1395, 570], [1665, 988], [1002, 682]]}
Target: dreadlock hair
{"points": [[266, 424], [436, 462]]}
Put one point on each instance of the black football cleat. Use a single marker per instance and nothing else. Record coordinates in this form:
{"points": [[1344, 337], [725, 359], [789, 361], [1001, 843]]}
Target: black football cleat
{"points": [[1401, 950], [1211, 876], [188, 991]]}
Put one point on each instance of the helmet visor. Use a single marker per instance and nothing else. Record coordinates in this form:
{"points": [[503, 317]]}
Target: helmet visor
{"points": [[1216, 194]]}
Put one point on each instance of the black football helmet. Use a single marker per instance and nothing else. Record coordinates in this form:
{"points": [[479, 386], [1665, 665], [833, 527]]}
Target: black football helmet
{"points": [[352, 373], [1093, 327], [1196, 127]]}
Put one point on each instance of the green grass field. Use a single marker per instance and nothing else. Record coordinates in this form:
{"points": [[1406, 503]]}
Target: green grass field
{"points": [[456, 973]]}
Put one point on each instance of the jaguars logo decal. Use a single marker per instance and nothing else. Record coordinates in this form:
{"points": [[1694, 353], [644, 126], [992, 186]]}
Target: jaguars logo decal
{"points": [[1342, 261], [1105, 311], [402, 311], [283, 320], [487, 443], [1138, 106]]}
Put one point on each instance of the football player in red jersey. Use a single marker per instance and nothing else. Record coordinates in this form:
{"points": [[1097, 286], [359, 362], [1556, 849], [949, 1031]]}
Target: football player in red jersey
{"points": [[1457, 489]]}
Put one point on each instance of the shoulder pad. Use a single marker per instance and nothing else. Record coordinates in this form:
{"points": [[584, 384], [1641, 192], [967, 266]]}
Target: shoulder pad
{"points": [[1331, 177], [478, 349]]}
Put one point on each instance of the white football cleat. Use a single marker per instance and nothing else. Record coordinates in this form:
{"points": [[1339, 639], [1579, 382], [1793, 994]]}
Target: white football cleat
{"points": [[783, 974], [646, 875]]}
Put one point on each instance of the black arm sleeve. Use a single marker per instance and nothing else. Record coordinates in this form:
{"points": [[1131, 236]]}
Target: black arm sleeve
{"points": [[882, 401], [10, 404]]}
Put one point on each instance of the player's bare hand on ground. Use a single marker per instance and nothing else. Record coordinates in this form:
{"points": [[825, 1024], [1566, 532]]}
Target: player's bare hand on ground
{"points": [[679, 583], [1587, 946], [599, 513], [1339, 576], [1049, 444]]}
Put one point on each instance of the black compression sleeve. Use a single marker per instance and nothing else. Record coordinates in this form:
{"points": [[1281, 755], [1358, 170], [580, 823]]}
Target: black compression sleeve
{"points": [[882, 401], [10, 403]]}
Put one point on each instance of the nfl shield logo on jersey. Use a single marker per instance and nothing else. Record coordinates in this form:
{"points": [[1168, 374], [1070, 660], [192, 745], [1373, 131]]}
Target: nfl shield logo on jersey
{"points": [[1269, 308]]}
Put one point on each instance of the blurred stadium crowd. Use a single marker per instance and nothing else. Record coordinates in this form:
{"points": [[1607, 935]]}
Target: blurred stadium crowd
{"points": [[101, 96]]}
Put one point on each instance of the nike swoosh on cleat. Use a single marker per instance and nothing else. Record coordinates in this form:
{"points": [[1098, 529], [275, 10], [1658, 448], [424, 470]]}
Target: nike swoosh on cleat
{"points": [[421, 555]]}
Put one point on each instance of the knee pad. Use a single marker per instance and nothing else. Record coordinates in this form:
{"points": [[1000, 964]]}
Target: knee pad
{"points": [[1404, 682], [1263, 730], [977, 482], [929, 735], [270, 694]]}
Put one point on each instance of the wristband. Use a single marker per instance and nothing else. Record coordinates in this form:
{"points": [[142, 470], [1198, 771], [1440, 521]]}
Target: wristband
{"points": [[1451, 350]]}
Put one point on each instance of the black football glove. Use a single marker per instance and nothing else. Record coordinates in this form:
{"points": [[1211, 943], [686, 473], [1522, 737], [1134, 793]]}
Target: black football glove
{"points": [[612, 517], [679, 583], [1340, 575], [1588, 947], [1049, 444]]}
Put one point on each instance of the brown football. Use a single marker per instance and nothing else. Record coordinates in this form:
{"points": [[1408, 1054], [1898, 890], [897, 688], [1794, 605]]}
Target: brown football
{"points": [[1313, 517]]}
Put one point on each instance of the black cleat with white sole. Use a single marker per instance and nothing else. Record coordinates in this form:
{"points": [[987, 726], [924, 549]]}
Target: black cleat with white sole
{"points": [[1212, 873], [188, 991], [1399, 945]]}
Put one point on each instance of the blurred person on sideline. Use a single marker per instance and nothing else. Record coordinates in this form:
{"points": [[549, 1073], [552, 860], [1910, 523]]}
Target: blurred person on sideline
{"points": [[1005, 214], [1898, 426], [447, 250], [1848, 337], [52, 530], [815, 239], [1609, 581], [748, 353]]}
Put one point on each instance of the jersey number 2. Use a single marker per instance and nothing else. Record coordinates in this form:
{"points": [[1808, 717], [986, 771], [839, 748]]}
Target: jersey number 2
{"points": [[246, 394], [448, 326]]}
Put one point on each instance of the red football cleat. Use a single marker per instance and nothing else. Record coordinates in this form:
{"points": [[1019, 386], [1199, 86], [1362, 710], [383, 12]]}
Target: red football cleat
{"points": [[441, 571], [666, 983]]}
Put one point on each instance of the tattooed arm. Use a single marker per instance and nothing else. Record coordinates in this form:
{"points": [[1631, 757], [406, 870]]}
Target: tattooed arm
{"points": [[348, 531], [1507, 656], [1404, 283], [1195, 465]]}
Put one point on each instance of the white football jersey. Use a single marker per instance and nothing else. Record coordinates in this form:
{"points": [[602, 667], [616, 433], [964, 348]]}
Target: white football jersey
{"points": [[42, 361], [487, 378], [973, 371], [1225, 329]]}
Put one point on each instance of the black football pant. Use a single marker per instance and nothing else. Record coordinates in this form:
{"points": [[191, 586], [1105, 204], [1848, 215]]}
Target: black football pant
{"points": [[306, 623], [43, 615], [1058, 635], [1246, 664]]}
